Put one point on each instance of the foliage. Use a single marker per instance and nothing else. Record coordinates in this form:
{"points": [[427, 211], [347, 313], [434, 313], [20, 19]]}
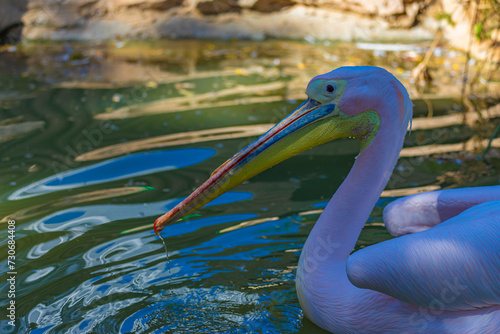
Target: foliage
{"points": [[487, 19], [446, 17]]}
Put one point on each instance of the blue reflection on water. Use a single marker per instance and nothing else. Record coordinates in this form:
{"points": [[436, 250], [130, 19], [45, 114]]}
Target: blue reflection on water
{"points": [[226, 198], [381, 202], [320, 205], [224, 308], [128, 271], [116, 169], [202, 307], [64, 217], [84, 217]]}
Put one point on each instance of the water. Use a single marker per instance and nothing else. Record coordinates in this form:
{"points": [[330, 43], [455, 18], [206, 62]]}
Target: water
{"points": [[98, 140]]}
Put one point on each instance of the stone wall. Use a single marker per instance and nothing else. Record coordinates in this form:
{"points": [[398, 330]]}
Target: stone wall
{"points": [[104, 19], [11, 13], [347, 20]]}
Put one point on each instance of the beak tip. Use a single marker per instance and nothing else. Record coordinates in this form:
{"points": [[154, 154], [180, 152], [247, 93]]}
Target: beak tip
{"points": [[166, 219], [157, 226]]}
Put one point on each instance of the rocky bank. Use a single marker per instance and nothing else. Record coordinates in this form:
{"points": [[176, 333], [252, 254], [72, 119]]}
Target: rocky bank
{"points": [[346, 20]]}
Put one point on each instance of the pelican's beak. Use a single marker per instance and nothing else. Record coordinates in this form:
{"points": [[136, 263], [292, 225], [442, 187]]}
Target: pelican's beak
{"points": [[309, 125]]}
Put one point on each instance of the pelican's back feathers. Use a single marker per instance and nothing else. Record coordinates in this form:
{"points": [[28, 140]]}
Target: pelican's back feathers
{"points": [[452, 266]]}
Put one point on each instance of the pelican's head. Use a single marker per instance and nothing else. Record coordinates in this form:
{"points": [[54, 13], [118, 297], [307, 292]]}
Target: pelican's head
{"points": [[336, 107]]}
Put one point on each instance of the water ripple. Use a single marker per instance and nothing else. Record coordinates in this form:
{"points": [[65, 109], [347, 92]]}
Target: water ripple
{"points": [[116, 169]]}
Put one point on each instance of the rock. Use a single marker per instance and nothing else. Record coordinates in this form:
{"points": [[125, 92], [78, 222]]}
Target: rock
{"points": [[346, 20], [159, 5], [382, 8], [296, 22], [60, 14], [102, 19], [266, 6], [11, 12], [216, 7]]}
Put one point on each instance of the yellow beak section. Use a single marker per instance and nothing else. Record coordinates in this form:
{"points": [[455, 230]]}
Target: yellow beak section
{"points": [[309, 125]]}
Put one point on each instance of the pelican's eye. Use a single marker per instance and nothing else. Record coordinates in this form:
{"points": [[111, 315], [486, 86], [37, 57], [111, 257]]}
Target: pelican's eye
{"points": [[330, 88]]}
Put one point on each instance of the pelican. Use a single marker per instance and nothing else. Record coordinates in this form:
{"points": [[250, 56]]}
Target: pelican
{"points": [[437, 277]]}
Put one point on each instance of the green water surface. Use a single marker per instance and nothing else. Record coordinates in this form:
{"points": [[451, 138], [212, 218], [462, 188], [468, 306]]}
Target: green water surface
{"points": [[85, 170]]}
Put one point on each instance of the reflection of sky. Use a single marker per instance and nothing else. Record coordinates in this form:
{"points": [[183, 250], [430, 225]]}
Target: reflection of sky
{"points": [[81, 219], [67, 219], [128, 271], [244, 236], [116, 169], [125, 282], [133, 245], [131, 271], [381, 202]]}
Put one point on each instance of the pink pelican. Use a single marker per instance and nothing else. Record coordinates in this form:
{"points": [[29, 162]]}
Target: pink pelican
{"points": [[441, 279]]}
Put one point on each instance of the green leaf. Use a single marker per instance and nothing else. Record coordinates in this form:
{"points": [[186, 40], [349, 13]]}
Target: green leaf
{"points": [[478, 29], [445, 17]]}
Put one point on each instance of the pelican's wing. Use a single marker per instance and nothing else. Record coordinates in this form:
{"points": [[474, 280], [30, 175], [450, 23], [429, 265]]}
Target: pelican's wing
{"points": [[452, 266], [421, 211]]}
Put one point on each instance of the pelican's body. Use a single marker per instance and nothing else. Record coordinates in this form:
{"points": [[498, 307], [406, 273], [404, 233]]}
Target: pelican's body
{"points": [[442, 280]]}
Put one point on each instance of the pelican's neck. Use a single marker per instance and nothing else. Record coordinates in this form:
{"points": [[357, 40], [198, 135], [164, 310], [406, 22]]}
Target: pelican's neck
{"points": [[345, 215]]}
